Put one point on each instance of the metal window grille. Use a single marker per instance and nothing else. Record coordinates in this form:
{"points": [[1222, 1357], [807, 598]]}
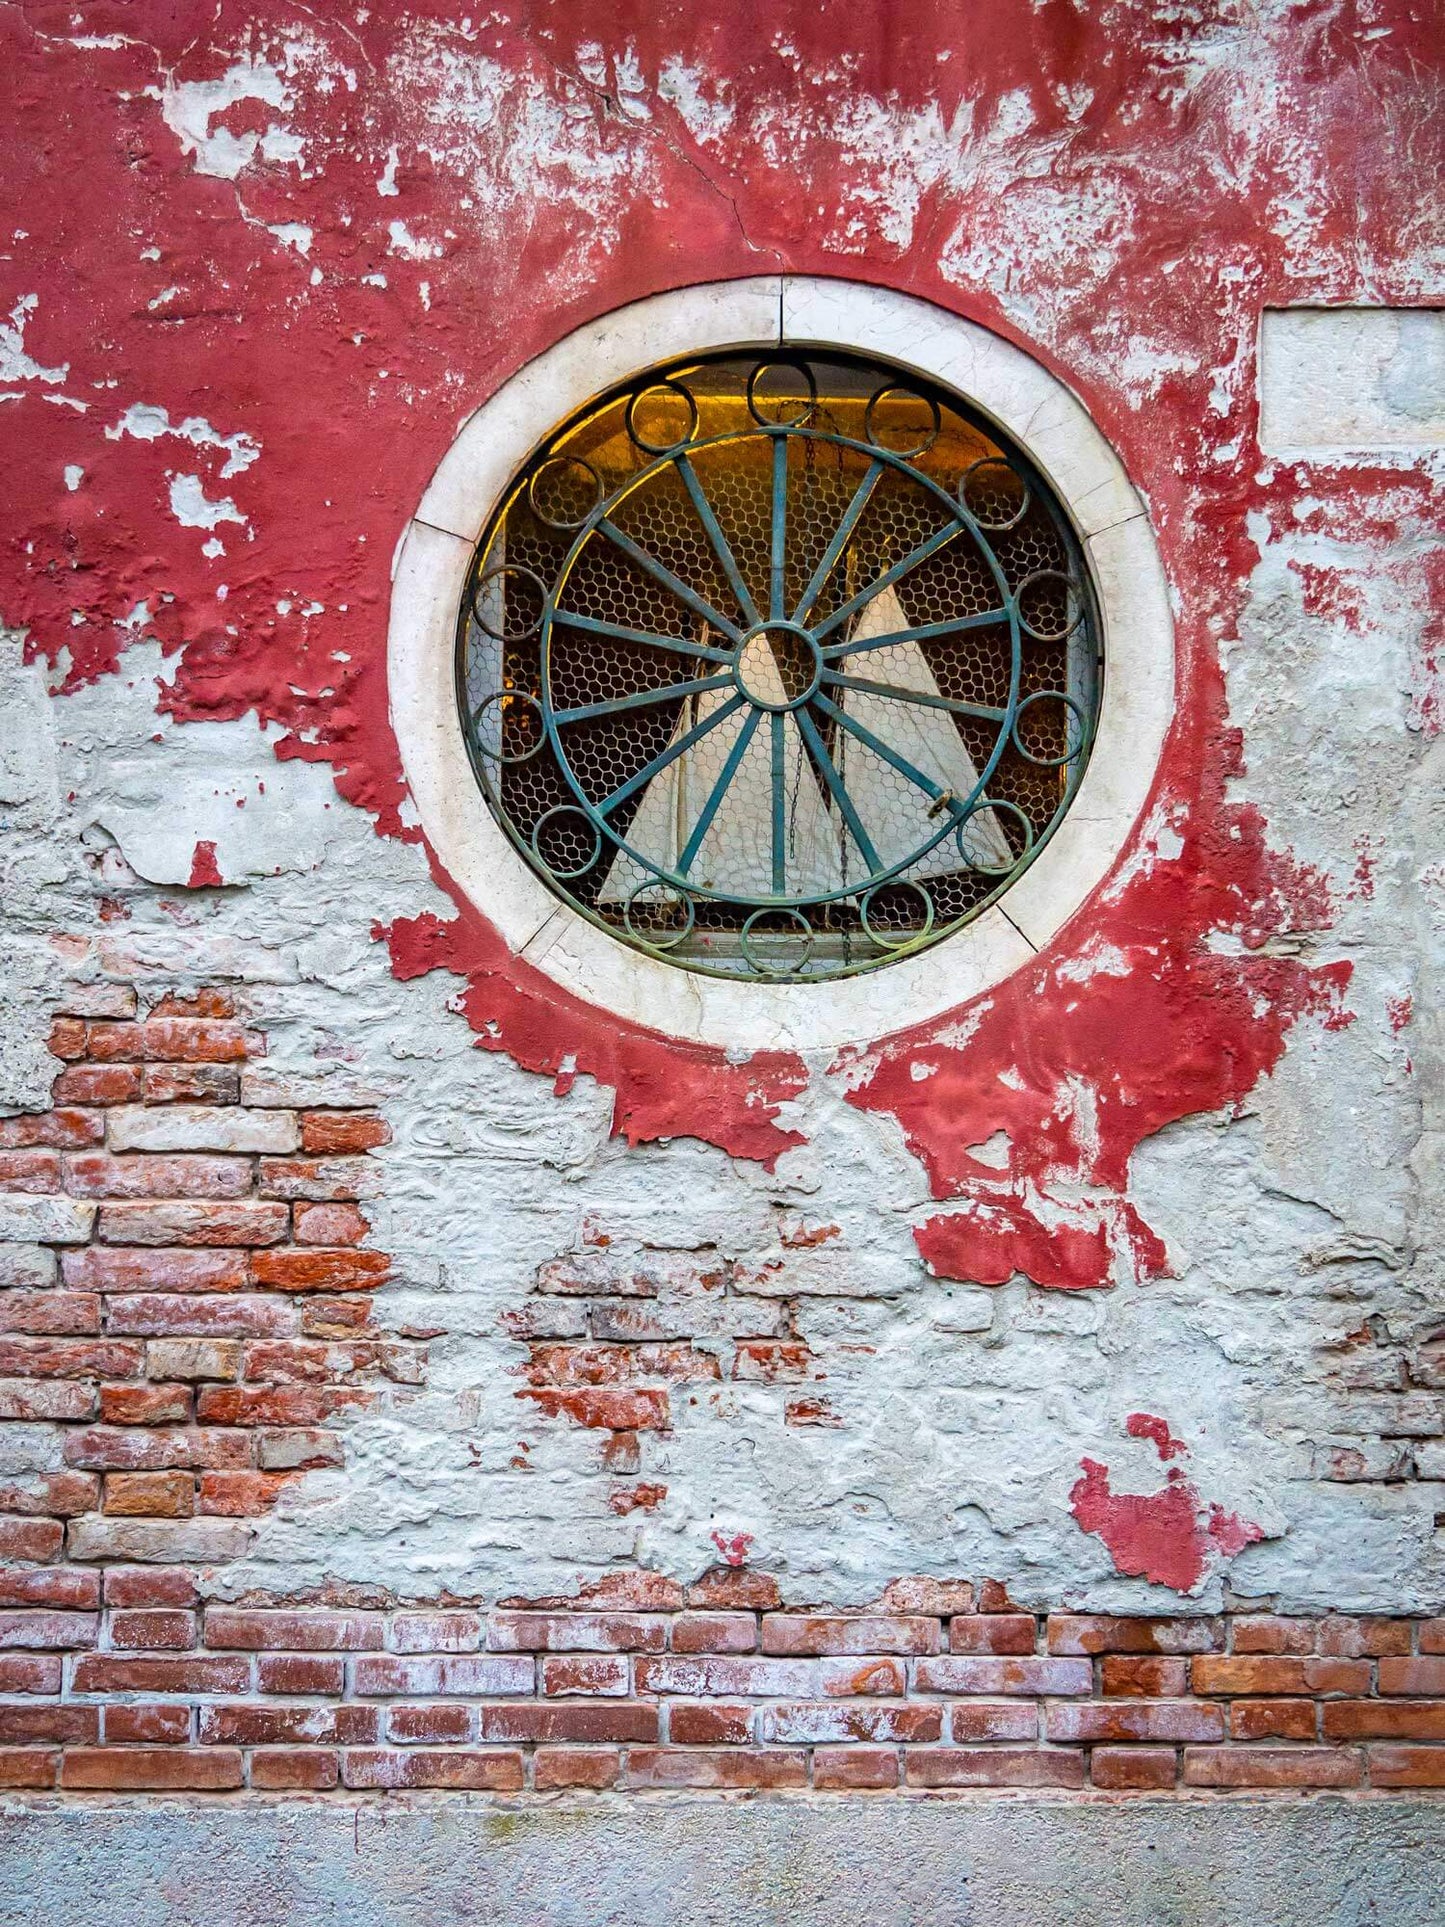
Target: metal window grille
{"points": [[779, 668]]}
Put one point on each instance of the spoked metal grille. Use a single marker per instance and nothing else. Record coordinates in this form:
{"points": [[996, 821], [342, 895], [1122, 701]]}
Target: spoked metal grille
{"points": [[778, 668]]}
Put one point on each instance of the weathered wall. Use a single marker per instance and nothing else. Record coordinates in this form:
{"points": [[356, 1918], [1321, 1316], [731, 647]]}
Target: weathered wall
{"points": [[1121, 1287]]}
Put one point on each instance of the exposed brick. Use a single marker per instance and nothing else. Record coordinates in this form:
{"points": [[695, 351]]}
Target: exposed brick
{"points": [[804, 1634], [241, 1222], [332, 1131], [47, 1630], [299, 1450], [300, 1673], [29, 1673], [270, 1723], [522, 1632], [145, 1270], [772, 1361], [59, 1314], [145, 1586], [70, 1588], [158, 1314], [70, 1357], [1406, 1766], [26, 1267], [98, 1084], [57, 1494], [1103, 1633], [26, 1768], [151, 1495], [1216, 1674], [59, 1130], [1173, 1720], [495, 1771], [719, 1768], [604, 1674], [34, 1171], [45, 1220], [556, 1768], [1123, 1677], [735, 1589], [745, 1677], [301, 1632], [193, 1084], [989, 1675], [158, 1769], [38, 1540], [191, 1358], [329, 1224], [148, 1725], [96, 1174], [994, 1766], [1273, 1720], [642, 1409], [992, 1633], [321, 1086], [318, 1269], [145, 1404], [973, 1720], [101, 1673], [854, 1769], [67, 1039], [240, 1495], [436, 1632], [185, 1040], [714, 1633], [319, 1180], [437, 1674], [1266, 1633], [710, 1723], [1383, 1719], [1133, 1769], [167, 1542], [287, 1769], [210, 1002], [429, 1725], [103, 1448], [1271, 1766], [32, 1722], [153, 1629], [523, 1721], [1425, 1676], [23, 1399], [835, 1721], [1343, 1638]]}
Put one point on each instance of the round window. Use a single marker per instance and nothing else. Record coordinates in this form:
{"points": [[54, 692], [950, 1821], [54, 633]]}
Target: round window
{"points": [[779, 668]]}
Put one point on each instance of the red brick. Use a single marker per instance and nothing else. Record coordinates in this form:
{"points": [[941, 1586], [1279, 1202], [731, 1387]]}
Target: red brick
{"points": [[992, 1633], [169, 1040], [714, 1633], [496, 1771], [61, 1494], [429, 1725], [436, 1674], [994, 1766], [436, 1632], [572, 1364], [735, 1589], [802, 1634], [95, 1174], [318, 1180], [158, 1769], [38, 1540], [745, 1677], [91, 1269], [209, 1002], [156, 1629], [116, 1449], [37, 1172], [1135, 1719], [99, 1673], [296, 1405], [1426, 1676], [241, 1495], [29, 1673], [854, 1769], [329, 1224], [300, 1673], [148, 1725], [556, 1768], [1273, 1720], [1216, 1674], [1384, 1719], [143, 1586], [70, 1358], [191, 1084], [98, 1084], [47, 1630], [719, 1768], [1432, 1635], [772, 1361], [597, 1674], [150, 1495], [643, 1409], [298, 1361], [320, 1270], [159, 1315], [67, 1039], [71, 1588], [974, 1720], [1271, 1766], [1343, 1638], [580, 1632], [1406, 1766], [25, 1768], [709, 1723], [269, 1723], [241, 1222], [1124, 1677], [1133, 1769], [31, 1722], [24, 1399], [635, 1591], [342, 1131], [1103, 1633], [60, 1129], [1266, 1633], [1035, 1676], [828, 1722], [300, 1632], [58, 1314], [324, 1317], [286, 1769], [523, 1721], [145, 1405]]}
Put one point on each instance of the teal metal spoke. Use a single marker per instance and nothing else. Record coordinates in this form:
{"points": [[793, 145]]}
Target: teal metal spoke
{"points": [[825, 568], [888, 578], [718, 792], [919, 632], [668, 756], [722, 549], [890, 691], [595, 627], [780, 803], [819, 751], [879, 748], [642, 700], [776, 573], [675, 584]]}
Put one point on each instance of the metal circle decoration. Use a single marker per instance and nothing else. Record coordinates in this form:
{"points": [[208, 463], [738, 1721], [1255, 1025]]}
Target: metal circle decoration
{"points": [[779, 667]]}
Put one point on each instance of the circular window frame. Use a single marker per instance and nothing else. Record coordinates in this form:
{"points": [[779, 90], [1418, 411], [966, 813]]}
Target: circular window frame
{"points": [[1001, 382]]}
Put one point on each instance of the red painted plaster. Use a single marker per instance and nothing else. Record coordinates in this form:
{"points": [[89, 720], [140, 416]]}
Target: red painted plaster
{"points": [[1146, 1425], [1169, 1537], [1097, 171], [205, 872]]}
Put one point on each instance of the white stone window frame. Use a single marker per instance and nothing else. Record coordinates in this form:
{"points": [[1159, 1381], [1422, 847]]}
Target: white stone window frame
{"points": [[1009, 387]]}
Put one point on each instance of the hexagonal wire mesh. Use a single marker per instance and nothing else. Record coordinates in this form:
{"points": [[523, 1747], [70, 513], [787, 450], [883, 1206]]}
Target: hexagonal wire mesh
{"points": [[779, 668]]}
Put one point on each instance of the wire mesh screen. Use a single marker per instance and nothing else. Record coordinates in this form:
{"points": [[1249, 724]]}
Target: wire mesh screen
{"points": [[778, 668]]}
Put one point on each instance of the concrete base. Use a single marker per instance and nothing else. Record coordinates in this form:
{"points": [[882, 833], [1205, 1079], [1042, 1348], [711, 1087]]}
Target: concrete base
{"points": [[1026, 1862]]}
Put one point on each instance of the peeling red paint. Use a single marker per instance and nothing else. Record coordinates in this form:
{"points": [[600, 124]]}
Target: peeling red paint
{"points": [[732, 1546], [205, 872], [1169, 1537], [1144, 1425]]}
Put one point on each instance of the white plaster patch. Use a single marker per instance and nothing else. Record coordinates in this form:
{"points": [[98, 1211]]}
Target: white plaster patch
{"points": [[192, 509], [147, 423], [15, 363], [1333, 379]]}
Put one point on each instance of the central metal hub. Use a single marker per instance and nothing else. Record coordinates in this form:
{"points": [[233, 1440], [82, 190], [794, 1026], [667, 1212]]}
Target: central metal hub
{"points": [[778, 665]]}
